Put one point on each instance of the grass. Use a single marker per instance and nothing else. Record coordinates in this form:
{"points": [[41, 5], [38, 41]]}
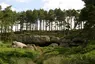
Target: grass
{"points": [[50, 55], [74, 55], [9, 55]]}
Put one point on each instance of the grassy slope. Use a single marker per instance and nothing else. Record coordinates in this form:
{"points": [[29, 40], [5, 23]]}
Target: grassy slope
{"points": [[50, 55], [74, 55]]}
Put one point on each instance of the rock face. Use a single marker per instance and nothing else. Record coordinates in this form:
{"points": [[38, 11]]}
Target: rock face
{"points": [[45, 40], [32, 46], [42, 40], [54, 39], [18, 44], [53, 45], [67, 42], [80, 41]]}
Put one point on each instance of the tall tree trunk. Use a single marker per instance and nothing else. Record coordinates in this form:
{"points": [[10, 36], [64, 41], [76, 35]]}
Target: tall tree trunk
{"points": [[1, 32], [51, 25], [17, 27], [40, 24], [21, 27], [46, 25], [82, 23], [37, 25], [43, 25], [60, 25], [29, 26], [57, 25], [71, 23], [11, 28], [26, 26]]}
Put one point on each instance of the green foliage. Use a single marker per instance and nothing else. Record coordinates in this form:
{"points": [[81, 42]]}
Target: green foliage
{"points": [[72, 55], [50, 55], [87, 16], [88, 2], [71, 59], [10, 55]]}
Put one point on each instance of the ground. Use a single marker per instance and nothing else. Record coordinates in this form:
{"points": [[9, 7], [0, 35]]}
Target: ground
{"points": [[48, 55]]}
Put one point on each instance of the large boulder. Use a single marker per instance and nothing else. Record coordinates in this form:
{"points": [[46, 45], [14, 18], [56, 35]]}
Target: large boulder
{"points": [[41, 40], [65, 42], [79, 41], [54, 39], [76, 41], [32, 46], [46, 38], [18, 44], [53, 45], [34, 39]]}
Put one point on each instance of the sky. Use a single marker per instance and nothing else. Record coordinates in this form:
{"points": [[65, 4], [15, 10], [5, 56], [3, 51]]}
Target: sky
{"points": [[23, 5]]}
